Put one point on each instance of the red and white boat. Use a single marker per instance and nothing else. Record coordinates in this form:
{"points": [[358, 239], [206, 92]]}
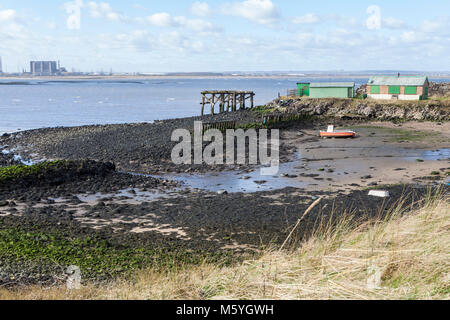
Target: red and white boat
{"points": [[331, 133]]}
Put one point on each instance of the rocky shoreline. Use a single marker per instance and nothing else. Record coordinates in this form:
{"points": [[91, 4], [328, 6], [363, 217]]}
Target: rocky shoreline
{"points": [[140, 148], [366, 110], [84, 207]]}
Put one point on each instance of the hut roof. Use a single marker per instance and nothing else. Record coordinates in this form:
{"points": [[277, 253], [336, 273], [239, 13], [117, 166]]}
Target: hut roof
{"points": [[398, 81], [332, 85]]}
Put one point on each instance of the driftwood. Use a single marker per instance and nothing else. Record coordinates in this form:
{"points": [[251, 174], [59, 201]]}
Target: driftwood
{"points": [[315, 203]]}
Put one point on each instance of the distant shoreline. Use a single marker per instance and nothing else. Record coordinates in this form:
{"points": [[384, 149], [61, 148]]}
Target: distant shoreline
{"points": [[153, 77]]}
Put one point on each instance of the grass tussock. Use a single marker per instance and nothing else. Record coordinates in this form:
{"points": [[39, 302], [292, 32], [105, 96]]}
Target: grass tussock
{"points": [[405, 255]]}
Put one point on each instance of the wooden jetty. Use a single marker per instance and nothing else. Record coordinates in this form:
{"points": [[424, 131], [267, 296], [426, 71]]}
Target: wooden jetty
{"points": [[227, 100]]}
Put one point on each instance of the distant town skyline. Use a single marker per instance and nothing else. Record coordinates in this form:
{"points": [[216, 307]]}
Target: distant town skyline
{"points": [[226, 35]]}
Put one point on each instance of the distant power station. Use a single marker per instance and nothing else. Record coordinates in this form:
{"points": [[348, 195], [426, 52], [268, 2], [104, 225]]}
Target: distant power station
{"points": [[44, 68]]}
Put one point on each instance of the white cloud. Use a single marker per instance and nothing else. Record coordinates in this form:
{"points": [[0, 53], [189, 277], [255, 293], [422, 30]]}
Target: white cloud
{"points": [[258, 11], [73, 9], [196, 25], [430, 25], [393, 23], [342, 21], [7, 15], [10, 24], [201, 9], [51, 25], [309, 18], [104, 10], [96, 10], [162, 19], [200, 26], [440, 25], [409, 36], [374, 20]]}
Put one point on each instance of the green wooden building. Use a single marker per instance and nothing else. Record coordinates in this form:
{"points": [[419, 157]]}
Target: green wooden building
{"points": [[398, 87], [326, 89], [303, 89]]}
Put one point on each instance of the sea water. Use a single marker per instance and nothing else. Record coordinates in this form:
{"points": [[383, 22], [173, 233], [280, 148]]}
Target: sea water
{"points": [[39, 104]]}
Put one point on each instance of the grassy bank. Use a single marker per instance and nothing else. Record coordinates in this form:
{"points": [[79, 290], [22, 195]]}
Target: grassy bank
{"points": [[403, 256]]}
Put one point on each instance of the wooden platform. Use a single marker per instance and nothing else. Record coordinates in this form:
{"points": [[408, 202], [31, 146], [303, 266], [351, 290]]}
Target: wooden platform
{"points": [[228, 100]]}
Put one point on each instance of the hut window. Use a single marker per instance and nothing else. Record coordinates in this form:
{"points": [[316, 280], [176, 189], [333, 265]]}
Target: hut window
{"points": [[394, 89], [410, 90]]}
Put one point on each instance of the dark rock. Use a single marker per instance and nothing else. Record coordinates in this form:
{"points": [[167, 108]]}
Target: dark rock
{"points": [[260, 181]]}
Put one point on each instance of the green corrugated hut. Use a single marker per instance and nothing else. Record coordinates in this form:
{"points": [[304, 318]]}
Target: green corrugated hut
{"points": [[326, 89], [332, 90], [303, 89]]}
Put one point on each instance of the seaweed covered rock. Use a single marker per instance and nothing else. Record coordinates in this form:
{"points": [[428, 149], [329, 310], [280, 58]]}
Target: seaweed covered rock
{"points": [[51, 173]]}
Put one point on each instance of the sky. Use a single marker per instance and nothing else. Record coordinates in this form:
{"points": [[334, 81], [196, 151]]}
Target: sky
{"points": [[226, 35]]}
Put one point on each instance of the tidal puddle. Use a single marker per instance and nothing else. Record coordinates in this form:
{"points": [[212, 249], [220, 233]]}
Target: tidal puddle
{"points": [[436, 155], [303, 172]]}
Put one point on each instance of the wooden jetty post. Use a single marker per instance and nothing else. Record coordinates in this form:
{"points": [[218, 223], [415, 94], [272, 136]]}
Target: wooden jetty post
{"points": [[227, 99]]}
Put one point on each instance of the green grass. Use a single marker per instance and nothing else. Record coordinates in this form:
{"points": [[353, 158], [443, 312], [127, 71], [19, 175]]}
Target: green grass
{"points": [[263, 110], [97, 258]]}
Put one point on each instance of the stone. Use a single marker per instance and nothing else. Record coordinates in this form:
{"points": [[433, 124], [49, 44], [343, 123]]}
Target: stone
{"points": [[260, 181], [221, 192], [379, 193]]}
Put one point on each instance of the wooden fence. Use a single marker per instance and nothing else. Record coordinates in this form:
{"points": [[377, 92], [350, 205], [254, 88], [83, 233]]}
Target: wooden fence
{"points": [[267, 121], [274, 119], [221, 126], [292, 92]]}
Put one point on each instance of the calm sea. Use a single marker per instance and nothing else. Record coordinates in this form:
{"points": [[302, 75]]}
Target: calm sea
{"points": [[39, 104]]}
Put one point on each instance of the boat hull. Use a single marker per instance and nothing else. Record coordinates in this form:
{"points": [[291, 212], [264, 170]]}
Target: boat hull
{"points": [[346, 134]]}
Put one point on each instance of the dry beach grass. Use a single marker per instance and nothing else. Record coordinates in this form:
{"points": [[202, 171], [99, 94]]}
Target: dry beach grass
{"points": [[405, 255]]}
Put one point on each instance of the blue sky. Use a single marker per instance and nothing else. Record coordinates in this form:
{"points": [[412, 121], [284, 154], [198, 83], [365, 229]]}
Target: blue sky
{"points": [[227, 35]]}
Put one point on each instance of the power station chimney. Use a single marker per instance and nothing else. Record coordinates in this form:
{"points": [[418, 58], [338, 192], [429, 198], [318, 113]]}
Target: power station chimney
{"points": [[1, 68]]}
